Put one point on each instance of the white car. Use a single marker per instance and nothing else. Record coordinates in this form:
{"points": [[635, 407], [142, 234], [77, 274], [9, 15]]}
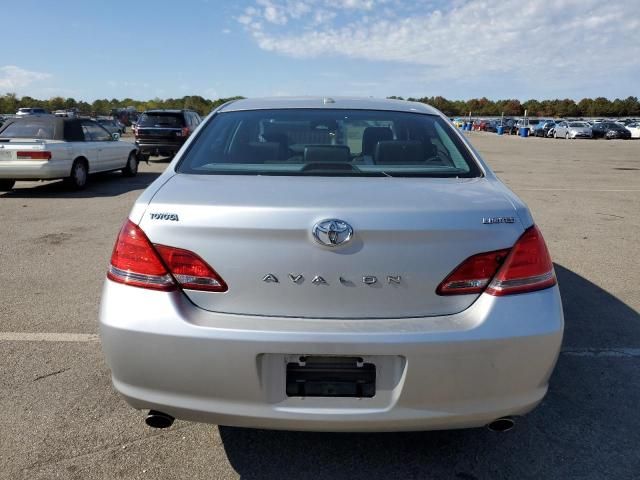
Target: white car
{"points": [[634, 128], [30, 111], [530, 123], [45, 147]]}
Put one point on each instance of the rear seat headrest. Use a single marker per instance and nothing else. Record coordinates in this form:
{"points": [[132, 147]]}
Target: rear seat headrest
{"points": [[399, 152], [372, 135], [326, 154]]}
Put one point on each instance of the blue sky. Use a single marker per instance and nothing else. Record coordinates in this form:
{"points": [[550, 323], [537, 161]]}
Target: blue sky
{"points": [[457, 48]]}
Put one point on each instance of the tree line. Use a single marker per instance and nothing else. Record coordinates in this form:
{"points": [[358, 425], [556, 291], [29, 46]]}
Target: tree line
{"points": [[558, 108], [587, 107], [10, 103]]}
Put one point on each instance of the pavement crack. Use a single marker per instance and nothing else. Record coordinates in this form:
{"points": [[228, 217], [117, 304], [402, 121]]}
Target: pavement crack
{"points": [[40, 377], [100, 449], [609, 215]]}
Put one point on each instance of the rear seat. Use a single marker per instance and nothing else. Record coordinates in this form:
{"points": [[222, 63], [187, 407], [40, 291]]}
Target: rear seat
{"points": [[401, 152], [371, 136], [299, 135]]}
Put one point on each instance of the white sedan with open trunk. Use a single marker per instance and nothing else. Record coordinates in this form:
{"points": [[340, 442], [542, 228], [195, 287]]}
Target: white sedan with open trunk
{"points": [[330, 264]]}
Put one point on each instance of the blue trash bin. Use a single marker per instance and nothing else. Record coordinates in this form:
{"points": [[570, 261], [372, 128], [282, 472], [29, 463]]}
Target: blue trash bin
{"points": [[500, 130], [524, 131]]}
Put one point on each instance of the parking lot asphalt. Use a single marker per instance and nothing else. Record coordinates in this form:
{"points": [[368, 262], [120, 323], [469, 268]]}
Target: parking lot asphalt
{"points": [[60, 417]]}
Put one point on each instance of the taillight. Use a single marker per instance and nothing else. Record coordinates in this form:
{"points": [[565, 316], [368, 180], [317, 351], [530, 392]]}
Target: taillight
{"points": [[33, 155], [184, 132], [190, 270], [136, 261], [525, 267], [473, 275]]}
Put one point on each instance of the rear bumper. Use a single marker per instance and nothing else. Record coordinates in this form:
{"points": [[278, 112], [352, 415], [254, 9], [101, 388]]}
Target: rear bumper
{"points": [[464, 370], [34, 170], [151, 147]]}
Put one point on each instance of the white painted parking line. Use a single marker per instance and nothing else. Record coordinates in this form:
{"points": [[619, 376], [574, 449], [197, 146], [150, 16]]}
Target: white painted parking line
{"points": [[47, 337], [602, 352]]}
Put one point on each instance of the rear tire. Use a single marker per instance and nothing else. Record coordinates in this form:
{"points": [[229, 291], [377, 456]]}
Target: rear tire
{"points": [[131, 168], [79, 175], [7, 185]]}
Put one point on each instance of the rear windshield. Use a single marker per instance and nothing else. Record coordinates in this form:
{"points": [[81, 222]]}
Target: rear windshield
{"points": [[161, 119], [578, 124], [28, 129], [328, 142]]}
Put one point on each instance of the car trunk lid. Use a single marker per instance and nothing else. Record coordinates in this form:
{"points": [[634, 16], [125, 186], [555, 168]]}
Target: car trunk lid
{"points": [[256, 232]]}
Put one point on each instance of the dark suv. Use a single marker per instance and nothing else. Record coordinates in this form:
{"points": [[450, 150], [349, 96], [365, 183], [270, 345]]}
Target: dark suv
{"points": [[162, 132]]}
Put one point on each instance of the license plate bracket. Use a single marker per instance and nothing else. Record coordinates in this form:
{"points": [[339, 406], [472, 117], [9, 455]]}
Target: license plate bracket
{"points": [[329, 376]]}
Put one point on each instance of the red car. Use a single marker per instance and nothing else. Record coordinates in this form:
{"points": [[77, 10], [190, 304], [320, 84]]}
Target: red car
{"points": [[480, 125]]}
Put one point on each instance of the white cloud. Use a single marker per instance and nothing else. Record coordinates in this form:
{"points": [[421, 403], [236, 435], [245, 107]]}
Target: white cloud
{"points": [[562, 40], [352, 4], [271, 11], [13, 78]]}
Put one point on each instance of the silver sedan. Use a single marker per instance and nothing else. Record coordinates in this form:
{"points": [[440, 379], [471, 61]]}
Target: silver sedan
{"points": [[572, 130], [330, 264]]}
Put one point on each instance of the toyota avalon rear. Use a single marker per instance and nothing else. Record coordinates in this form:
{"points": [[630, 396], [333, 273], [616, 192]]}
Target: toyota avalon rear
{"points": [[330, 264]]}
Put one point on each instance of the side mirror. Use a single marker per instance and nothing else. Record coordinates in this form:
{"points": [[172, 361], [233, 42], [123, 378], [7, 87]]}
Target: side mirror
{"points": [[115, 136]]}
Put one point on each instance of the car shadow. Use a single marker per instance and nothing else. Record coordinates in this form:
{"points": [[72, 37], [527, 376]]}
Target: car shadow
{"points": [[161, 159], [99, 185], [587, 426]]}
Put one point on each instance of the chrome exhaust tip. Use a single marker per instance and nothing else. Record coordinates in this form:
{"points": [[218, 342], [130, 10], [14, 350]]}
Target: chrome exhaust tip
{"points": [[157, 419], [503, 424]]}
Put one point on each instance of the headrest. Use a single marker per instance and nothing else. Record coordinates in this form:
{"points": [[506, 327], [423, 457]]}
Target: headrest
{"points": [[372, 135], [257, 152], [326, 154], [399, 152]]}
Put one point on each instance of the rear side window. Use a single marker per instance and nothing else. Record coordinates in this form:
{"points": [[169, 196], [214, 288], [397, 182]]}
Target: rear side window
{"points": [[161, 120], [328, 142], [28, 129], [94, 132]]}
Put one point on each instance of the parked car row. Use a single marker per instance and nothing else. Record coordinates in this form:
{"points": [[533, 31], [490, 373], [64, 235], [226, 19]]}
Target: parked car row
{"points": [[42, 146], [561, 128]]}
